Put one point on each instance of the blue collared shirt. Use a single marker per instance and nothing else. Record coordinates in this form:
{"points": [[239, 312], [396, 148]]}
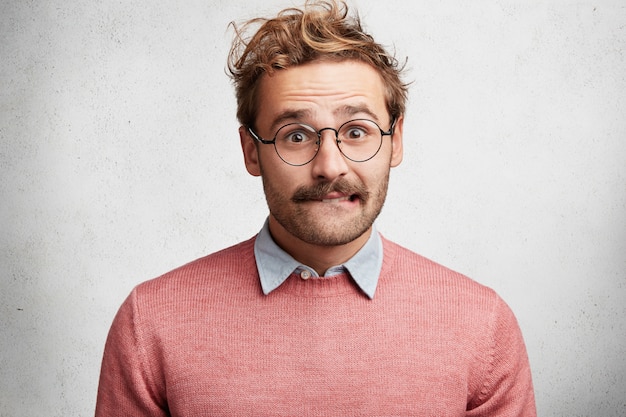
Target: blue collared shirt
{"points": [[275, 265]]}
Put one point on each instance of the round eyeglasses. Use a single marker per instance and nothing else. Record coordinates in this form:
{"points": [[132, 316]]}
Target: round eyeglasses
{"points": [[297, 144]]}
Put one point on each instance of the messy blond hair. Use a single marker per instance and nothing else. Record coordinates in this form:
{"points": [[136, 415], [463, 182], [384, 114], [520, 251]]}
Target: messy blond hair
{"points": [[320, 30]]}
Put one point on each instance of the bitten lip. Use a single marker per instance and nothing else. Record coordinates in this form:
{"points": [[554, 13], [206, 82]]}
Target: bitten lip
{"points": [[338, 197], [341, 191], [334, 196]]}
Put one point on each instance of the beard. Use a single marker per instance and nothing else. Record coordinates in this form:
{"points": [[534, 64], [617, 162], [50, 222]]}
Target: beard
{"points": [[305, 217]]}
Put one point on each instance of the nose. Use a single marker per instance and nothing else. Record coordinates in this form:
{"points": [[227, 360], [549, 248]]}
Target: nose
{"points": [[329, 163]]}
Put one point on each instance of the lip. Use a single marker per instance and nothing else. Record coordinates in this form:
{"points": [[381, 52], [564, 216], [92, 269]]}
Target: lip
{"points": [[335, 200], [339, 193], [338, 198]]}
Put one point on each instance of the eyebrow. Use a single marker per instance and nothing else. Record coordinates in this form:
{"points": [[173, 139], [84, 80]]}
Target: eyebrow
{"points": [[289, 114], [351, 110], [299, 115]]}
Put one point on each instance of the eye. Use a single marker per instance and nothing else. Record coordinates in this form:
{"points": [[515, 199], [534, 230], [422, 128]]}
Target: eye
{"points": [[357, 130], [355, 133], [296, 134], [296, 137]]}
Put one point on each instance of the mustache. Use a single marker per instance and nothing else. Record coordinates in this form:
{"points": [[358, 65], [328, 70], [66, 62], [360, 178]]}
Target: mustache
{"points": [[318, 191]]}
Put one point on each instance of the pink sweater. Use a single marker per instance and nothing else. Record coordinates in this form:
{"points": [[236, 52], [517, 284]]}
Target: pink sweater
{"points": [[203, 340]]}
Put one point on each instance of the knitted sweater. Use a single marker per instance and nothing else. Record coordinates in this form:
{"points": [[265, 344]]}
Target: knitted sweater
{"points": [[203, 340]]}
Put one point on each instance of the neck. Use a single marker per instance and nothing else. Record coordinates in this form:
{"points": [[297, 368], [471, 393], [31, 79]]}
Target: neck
{"points": [[318, 257]]}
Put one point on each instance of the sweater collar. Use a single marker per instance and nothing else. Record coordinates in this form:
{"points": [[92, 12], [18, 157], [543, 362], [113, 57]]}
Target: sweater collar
{"points": [[275, 265]]}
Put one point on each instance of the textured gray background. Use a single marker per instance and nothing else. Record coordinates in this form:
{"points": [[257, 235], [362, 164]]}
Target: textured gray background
{"points": [[120, 160]]}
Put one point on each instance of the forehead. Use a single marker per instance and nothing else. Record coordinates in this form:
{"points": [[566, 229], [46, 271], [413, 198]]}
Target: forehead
{"points": [[325, 90]]}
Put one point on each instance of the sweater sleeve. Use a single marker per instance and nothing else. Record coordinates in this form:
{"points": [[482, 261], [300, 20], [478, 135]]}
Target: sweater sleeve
{"points": [[127, 386], [507, 389]]}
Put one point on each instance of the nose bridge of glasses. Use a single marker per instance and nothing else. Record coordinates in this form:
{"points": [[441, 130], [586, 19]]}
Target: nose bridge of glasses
{"points": [[335, 131]]}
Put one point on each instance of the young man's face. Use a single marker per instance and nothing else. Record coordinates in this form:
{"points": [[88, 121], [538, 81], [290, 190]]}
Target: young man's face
{"points": [[331, 200]]}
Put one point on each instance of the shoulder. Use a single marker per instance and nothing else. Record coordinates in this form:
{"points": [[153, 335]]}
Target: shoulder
{"points": [[231, 266], [421, 277], [428, 289], [191, 294]]}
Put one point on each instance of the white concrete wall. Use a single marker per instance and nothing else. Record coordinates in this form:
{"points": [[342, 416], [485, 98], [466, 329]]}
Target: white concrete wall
{"points": [[120, 160]]}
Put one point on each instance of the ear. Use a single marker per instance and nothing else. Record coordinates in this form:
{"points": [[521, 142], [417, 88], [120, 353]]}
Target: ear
{"points": [[396, 142], [250, 152]]}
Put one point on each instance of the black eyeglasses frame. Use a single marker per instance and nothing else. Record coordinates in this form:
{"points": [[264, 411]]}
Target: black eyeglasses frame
{"points": [[383, 133]]}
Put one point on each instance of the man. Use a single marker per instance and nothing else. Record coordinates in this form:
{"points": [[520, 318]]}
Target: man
{"points": [[317, 314]]}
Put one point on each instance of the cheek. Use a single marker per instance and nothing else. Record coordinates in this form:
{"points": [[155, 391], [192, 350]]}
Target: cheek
{"points": [[279, 182], [374, 174]]}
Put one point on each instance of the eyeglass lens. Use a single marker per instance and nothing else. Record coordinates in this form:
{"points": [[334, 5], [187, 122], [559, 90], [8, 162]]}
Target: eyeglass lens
{"points": [[359, 140]]}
